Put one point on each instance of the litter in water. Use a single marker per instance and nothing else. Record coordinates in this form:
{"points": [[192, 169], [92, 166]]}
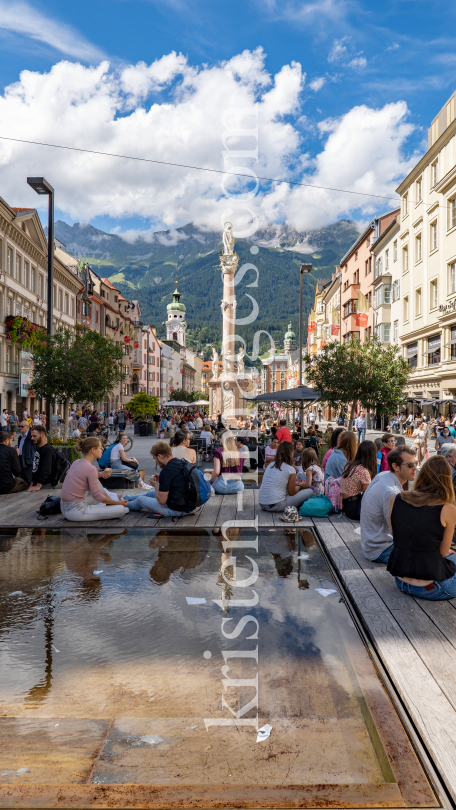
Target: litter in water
{"points": [[264, 732], [152, 739], [16, 773], [16, 593], [303, 556], [325, 591], [55, 649], [195, 600], [98, 572]]}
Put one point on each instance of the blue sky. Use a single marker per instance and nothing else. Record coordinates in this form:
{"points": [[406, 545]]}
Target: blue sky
{"points": [[391, 69]]}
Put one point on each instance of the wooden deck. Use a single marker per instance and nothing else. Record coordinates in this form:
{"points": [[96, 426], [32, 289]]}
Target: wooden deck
{"points": [[414, 640]]}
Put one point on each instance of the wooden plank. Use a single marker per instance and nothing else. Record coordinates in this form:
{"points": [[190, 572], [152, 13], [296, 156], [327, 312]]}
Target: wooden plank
{"points": [[265, 519], [228, 509], [431, 710], [247, 512], [208, 516]]}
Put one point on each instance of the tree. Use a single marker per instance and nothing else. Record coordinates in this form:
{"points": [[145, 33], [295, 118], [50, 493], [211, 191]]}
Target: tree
{"points": [[353, 372], [142, 405], [180, 395], [200, 395], [82, 366]]}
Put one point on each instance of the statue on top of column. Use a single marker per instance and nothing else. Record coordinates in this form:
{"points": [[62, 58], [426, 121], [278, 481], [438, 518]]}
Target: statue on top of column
{"points": [[228, 239]]}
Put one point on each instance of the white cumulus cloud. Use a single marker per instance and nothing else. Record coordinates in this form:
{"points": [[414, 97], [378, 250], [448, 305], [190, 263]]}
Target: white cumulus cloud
{"points": [[317, 84], [176, 113]]}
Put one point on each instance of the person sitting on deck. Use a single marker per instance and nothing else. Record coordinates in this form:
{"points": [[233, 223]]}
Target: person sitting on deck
{"points": [[356, 478], [10, 468], [81, 478], [43, 460], [376, 537], [169, 496], [283, 433], [341, 455], [226, 475], [422, 522], [279, 488]]}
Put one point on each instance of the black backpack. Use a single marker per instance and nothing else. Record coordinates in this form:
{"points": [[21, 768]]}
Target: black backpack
{"points": [[60, 468], [198, 488], [51, 506]]}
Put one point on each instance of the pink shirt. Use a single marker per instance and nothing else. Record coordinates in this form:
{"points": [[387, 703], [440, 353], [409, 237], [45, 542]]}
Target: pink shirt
{"points": [[82, 477]]}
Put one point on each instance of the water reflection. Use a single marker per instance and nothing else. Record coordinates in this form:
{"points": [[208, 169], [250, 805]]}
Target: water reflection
{"points": [[177, 553]]}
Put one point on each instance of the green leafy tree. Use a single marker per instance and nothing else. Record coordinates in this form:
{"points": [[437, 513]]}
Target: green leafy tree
{"points": [[81, 366], [142, 405], [347, 373], [180, 395], [200, 395]]}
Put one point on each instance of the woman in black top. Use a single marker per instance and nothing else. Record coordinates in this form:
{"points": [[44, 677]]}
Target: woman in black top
{"points": [[422, 522]]}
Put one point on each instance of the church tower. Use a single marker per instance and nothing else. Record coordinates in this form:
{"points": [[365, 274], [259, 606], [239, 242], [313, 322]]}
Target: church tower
{"points": [[176, 325], [289, 343]]}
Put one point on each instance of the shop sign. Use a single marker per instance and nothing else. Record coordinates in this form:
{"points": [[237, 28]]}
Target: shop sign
{"points": [[362, 319], [127, 339]]}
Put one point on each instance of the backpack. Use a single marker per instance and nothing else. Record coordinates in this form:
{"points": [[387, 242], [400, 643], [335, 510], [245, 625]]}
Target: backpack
{"points": [[51, 506], [332, 491], [105, 458], [60, 468], [318, 506], [198, 487]]}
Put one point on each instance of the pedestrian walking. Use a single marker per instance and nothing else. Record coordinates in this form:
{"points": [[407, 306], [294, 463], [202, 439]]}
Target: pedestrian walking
{"points": [[360, 426]]}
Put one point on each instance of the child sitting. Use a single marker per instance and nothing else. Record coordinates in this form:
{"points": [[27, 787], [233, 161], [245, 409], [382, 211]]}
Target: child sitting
{"points": [[312, 472]]}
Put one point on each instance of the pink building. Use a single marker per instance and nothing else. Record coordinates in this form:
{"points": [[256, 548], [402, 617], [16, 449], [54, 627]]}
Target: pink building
{"points": [[357, 268]]}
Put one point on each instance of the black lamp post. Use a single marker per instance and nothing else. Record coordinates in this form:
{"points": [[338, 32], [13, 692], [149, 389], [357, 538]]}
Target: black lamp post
{"points": [[305, 268], [41, 186]]}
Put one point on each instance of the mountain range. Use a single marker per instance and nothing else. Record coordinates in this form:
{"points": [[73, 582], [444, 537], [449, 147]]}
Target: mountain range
{"points": [[147, 268]]}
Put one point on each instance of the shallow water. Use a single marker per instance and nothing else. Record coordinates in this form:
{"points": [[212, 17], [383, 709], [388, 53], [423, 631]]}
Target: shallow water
{"points": [[109, 676]]}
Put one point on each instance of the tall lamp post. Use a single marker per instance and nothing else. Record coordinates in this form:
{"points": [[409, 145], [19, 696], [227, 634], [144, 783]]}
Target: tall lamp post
{"points": [[305, 268], [41, 186]]}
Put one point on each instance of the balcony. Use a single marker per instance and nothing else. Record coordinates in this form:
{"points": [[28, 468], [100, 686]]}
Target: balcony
{"points": [[136, 358]]}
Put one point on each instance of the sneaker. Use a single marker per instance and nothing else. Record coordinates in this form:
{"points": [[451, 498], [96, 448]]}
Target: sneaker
{"points": [[290, 515], [146, 486]]}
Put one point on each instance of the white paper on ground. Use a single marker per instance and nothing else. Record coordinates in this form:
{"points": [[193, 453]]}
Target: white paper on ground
{"points": [[152, 739], [358, 530], [325, 591], [19, 772], [264, 732], [303, 556], [195, 600], [15, 593]]}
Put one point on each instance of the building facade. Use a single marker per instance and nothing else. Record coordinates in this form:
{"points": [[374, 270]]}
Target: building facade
{"points": [[427, 260], [23, 293]]}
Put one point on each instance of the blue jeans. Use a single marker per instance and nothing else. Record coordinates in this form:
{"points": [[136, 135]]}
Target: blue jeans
{"points": [[385, 555], [149, 502], [361, 434], [446, 589], [226, 486]]}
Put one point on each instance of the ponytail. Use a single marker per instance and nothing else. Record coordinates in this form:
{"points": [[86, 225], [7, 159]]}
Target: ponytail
{"points": [[85, 445]]}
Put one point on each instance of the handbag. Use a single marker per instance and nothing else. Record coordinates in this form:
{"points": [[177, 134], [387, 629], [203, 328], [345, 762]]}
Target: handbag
{"points": [[318, 506]]}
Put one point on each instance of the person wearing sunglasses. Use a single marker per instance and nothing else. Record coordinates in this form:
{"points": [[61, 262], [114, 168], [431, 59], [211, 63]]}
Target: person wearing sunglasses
{"points": [[376, 537], [422, 523]]}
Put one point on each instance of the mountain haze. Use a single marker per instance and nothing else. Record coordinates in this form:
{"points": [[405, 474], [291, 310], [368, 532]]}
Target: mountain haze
{"points": [[147, 268]]}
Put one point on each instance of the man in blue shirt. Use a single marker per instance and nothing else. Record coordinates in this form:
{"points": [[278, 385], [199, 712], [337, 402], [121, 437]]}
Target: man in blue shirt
{"points": [[360, 426]]}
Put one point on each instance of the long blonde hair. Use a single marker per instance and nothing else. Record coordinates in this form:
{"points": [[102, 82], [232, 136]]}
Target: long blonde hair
{"points": [[230, 455]]}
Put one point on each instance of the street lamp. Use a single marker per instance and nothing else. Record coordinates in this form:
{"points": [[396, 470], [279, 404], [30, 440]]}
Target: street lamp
{"points": [[305, 268], [41, 186]]}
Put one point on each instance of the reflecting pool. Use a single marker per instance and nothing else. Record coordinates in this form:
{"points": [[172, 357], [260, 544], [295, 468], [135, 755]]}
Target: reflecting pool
{"points": [[137, 667]]}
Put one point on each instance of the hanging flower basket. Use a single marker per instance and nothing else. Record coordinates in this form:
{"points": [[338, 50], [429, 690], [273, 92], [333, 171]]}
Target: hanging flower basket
{"points": [[23, 330]]}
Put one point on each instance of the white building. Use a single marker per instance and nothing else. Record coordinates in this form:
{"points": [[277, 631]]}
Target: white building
{"points": [[427, 259]]}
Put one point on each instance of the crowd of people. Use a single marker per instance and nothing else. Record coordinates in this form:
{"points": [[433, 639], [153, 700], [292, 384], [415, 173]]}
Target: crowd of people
{"points": [[403, 500]]}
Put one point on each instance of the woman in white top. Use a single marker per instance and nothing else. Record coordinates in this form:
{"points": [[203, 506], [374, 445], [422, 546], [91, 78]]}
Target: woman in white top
{"points": [[119, 457], [419, 436], [279, 487], [180, 445]]}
